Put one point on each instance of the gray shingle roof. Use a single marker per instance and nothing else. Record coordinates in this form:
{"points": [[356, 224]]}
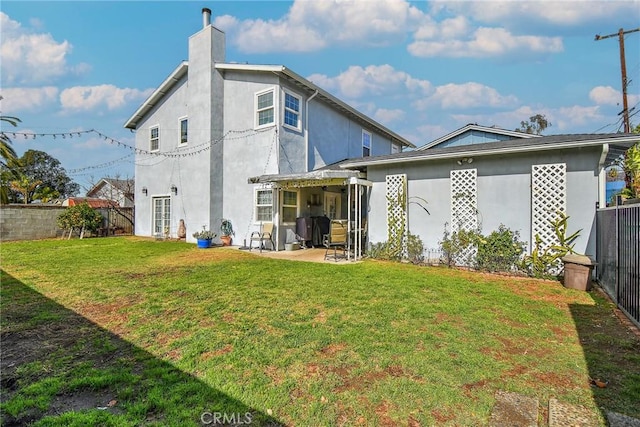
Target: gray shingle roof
{"points": [[619, 142]]}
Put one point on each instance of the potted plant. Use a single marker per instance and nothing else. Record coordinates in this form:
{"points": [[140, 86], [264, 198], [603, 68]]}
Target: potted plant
{"points": [[204, 237], [226, 232]]}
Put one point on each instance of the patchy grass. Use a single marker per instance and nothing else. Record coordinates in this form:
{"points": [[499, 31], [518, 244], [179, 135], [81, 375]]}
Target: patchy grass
{"points": [[157, 333]]}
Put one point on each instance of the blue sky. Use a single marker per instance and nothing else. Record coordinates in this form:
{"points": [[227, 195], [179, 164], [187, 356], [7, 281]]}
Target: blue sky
{"points": [[423, 69]]}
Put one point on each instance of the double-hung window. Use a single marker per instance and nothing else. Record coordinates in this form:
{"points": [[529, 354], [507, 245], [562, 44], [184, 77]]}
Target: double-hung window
{"points": [[366, 143], [289, 206], [263, 205], [265, 108], [292, 110], [154, 139], [183, 130]]}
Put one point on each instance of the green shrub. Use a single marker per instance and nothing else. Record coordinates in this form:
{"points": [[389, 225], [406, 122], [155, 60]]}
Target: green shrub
{"points": [[454, 245], [499, 251], [388, 251]]}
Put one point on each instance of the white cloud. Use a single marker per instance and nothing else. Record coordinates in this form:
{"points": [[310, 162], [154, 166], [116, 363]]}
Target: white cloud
{"points": [[466, 95], [483, 42], [560, 13], [86, 98], [357, 82], [31, 58], [314, 25], [387, 116], [574, 118], [27, 99], [606, 95]]}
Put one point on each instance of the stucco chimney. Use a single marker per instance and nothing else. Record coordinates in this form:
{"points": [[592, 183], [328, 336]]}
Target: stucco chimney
{"points": [[206, 17]]}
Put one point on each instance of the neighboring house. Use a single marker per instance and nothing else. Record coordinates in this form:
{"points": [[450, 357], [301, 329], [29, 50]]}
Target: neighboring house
{"points": [[475, 134], [250, 143], [120, 191], [521, 183]]}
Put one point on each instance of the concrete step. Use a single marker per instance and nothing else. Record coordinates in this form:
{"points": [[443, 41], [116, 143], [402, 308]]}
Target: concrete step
{"points": [[514, 410], [565, 415]]}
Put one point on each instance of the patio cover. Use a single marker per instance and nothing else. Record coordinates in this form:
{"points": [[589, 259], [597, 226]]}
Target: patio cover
{"points": [[316, 178], [321, 177]]}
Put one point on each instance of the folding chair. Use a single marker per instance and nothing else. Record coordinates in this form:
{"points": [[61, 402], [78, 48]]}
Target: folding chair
{"points": [[264, 235], [336, 238]]}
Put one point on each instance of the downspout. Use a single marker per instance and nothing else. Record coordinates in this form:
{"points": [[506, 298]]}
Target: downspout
{"points": [[602, 177], [306, 131]]}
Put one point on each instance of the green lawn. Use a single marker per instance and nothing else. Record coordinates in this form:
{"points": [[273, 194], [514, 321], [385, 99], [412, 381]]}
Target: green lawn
{"points": [[128, 331]]}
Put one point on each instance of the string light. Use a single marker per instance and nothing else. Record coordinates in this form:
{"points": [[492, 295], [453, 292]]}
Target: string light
{"points": [[181, 152]]}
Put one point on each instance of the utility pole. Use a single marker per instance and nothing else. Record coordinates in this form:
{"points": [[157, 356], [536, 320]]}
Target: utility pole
{"points": [[623, 68]]}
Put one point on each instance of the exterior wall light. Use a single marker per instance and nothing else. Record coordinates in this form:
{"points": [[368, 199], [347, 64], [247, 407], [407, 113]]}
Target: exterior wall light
{"points": [[145, 191], [174, 190]]}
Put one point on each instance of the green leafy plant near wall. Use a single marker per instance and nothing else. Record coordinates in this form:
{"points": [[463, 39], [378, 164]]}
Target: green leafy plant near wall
{"points": [[545, 263]]}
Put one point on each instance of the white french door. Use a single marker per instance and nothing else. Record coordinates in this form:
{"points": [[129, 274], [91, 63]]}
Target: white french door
{"points": [[161, 215]]}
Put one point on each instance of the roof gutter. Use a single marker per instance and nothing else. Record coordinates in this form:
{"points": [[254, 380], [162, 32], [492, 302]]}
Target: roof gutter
{"points": [[306, 131], [602, 176]]}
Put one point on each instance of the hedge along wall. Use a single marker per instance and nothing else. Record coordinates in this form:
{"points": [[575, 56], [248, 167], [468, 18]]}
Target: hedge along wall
{"points": [[29, 222]]}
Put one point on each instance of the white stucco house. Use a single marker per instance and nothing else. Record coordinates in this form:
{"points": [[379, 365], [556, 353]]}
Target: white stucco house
{"points": [[249, 143], [482, 176], [119, 191]]}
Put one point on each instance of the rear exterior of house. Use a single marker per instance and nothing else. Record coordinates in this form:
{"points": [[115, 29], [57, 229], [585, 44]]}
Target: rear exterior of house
{"points": [[520, 183], [212, 125]]}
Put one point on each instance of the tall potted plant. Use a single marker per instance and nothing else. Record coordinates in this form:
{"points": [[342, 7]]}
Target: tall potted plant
{"points": [[226, 232]]}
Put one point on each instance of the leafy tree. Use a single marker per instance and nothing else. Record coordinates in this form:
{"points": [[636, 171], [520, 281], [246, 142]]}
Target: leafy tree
{"points": [[26, 188], [6, 154], [6, 150], [80, 216], [39, 167], [535, 125]]}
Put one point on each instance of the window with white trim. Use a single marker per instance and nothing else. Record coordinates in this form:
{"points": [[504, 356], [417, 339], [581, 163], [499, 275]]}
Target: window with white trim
{"points": [[289, 206], [183, 130], [292, 110], [265, 108], [154, 139], [263, 211], [366, 143]]}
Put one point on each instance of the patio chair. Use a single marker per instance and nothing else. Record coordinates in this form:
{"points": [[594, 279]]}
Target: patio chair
{"points": [[336, 239], [264, 235]]}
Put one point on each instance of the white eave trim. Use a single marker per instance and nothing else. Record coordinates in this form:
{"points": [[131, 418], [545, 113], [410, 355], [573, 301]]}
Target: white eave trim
{"points": [[157, 95], [428, 156]]}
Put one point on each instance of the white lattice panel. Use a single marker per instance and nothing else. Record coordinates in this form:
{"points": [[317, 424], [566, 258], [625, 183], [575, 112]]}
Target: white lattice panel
{"points": [[464, 208], [548, 197], [397, 208], [464, 200]]}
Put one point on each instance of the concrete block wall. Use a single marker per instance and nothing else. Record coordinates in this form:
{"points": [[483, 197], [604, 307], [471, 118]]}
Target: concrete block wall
{"points": [[29, 222]]}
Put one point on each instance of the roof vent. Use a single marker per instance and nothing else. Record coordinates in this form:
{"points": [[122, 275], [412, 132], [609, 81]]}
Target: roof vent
{"points": [[206, 17]]}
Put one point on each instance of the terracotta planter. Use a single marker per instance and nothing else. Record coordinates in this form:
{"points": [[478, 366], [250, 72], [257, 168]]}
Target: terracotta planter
{"points": [[226, 240], [577, 272]]}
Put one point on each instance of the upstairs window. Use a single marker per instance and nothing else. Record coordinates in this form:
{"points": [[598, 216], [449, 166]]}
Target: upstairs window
{"points": [[154, 140], [263, 205], [265, 111], [292, 110], [183, 131], [366, 143]]}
